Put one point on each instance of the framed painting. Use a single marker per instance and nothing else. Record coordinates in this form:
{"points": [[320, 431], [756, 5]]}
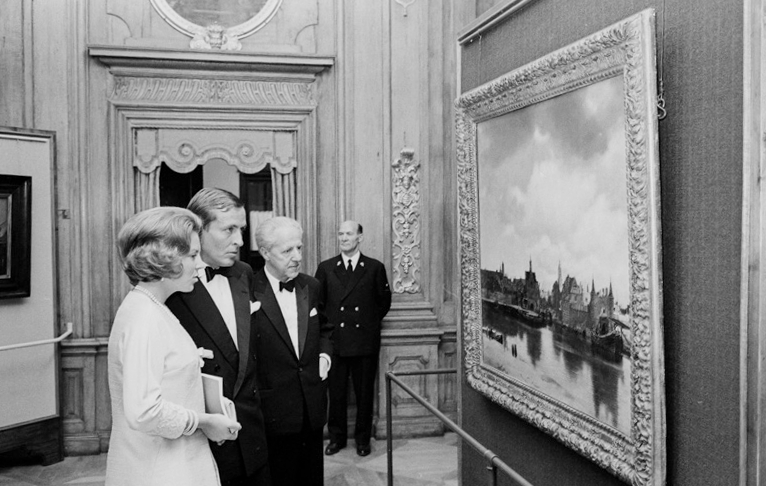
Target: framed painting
{"points": [[560, 256], [15, 235]]}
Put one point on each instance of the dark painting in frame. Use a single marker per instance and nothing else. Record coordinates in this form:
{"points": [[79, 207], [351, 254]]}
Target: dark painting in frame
{"points": [[15, 236], [560, 255]]}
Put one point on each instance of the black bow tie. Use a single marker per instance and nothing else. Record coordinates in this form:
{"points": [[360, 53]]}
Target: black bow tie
{"points": [[211, 272], [289, 285]]}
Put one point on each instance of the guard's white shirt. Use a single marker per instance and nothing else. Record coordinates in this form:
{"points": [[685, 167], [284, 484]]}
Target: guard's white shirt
{"points": [[354, 259], [220, 290]]}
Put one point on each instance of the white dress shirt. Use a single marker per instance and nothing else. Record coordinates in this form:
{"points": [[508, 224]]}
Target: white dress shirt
{"points": [[289, 307], [220, 290]]}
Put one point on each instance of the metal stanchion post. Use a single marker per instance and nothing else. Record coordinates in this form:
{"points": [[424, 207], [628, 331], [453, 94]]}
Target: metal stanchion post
{"points": [[492, 474], [494, 462], [389, 433]]}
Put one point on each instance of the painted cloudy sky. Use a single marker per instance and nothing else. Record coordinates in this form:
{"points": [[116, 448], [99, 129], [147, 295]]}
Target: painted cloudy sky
{"points": [[552, 187]]}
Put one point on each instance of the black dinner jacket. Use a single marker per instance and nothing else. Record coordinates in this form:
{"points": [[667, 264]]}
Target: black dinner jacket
{"points": [[354, 305], [288, 383], [199, 315]]}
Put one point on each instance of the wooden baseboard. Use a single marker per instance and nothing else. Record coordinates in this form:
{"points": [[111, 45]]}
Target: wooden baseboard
{"points": [[85, 444], [41, 439]]}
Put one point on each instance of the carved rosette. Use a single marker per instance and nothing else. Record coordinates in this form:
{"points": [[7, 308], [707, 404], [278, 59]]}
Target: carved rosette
{"points": [[196, 90], [406, 223], [624, 48]]}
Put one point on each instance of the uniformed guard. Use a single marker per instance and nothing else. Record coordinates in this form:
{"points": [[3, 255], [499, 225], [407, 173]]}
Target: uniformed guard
{"points": [[354, 297]]}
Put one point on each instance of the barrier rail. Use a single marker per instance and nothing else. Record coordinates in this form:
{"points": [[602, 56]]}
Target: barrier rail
{"points": [[494, 462], [38, 343]]}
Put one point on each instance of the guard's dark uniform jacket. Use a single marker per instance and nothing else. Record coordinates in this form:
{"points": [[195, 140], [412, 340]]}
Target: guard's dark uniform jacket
{"points": [[354, 303]]}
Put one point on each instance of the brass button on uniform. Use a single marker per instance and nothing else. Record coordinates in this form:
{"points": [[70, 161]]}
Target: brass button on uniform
{"points": [[342, 324], [357, 325], [341, 309], [356, 309]]}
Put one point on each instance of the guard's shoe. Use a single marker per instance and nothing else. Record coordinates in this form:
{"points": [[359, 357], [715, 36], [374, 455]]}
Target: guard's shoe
{"points": [[363, 449], [333, 448]]}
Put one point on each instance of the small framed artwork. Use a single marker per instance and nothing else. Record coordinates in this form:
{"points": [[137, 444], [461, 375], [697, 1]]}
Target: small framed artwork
{"points": [[560, 256], [15, 235]]}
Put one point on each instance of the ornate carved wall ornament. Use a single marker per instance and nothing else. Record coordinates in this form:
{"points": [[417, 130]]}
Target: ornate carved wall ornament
{"points": [[196, 90], [215, 37], [406, 223], [217, 29]]}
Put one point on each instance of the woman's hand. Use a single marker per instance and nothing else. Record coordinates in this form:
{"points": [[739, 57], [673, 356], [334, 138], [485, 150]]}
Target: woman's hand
{"points": [[218, 428]]}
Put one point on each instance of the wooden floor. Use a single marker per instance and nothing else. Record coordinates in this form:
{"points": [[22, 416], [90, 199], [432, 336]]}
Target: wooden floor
{"points": [[430, 461]]}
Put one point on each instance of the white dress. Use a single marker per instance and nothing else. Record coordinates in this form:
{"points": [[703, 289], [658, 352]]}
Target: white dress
{"points": [[155, 384]]}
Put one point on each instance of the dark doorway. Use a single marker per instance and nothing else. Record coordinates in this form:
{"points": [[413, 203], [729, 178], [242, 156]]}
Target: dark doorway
{"points": [[177, 189]]}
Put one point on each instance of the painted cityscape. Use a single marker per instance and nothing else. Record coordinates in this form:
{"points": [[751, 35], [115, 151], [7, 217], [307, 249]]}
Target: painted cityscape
{"points": [[554, 250]]}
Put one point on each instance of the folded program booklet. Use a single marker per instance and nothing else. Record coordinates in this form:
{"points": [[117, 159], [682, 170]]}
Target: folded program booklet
{"points": [[215, 402]]}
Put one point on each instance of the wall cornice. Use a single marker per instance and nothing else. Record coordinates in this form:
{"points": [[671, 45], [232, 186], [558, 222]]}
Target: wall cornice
{"points": [[158, 58]]}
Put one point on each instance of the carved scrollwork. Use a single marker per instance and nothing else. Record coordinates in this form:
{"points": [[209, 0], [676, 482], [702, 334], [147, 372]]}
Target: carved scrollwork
{"points": [[195, 90], [623, 48], [406, 223]]}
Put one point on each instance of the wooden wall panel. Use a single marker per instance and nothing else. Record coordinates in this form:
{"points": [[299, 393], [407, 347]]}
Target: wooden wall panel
{"points": [[365, 117], [13, 89]]}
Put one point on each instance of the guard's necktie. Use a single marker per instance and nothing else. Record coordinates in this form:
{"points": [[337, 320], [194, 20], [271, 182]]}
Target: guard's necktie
{"points": [[211, 272], [349, 267], [289, 285]]}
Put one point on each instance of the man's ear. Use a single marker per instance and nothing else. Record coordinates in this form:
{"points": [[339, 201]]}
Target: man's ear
{"points": [[264, 253]]}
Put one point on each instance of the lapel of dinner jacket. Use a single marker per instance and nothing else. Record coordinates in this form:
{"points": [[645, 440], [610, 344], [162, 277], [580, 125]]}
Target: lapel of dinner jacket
{"points": [[270, 308], [302, 302], [209, 318], [240, 294]]}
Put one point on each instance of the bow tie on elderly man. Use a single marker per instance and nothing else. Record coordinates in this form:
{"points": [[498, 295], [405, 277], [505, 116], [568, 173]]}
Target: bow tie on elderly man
{"points": [[288, 286]]}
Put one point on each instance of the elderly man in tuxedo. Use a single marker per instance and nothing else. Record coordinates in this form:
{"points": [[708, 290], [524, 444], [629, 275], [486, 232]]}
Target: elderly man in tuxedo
{"points": [[354, 297], [293, 346], [216, 314]]}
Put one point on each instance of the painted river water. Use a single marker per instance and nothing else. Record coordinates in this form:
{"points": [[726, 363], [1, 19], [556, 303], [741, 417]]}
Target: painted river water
{"points": [[560, 364]]}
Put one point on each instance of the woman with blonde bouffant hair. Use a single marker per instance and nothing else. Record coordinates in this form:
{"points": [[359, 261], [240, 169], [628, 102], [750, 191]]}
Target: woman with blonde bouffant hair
{"points": [[160, 430]]}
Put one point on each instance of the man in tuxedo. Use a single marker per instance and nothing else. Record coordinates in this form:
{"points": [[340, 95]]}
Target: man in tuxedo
{"points": [[354, 297], [294, 348], [216, 314]]}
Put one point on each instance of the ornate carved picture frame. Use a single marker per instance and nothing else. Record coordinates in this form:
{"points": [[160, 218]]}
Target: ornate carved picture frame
{"points": [[558, 169]]}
